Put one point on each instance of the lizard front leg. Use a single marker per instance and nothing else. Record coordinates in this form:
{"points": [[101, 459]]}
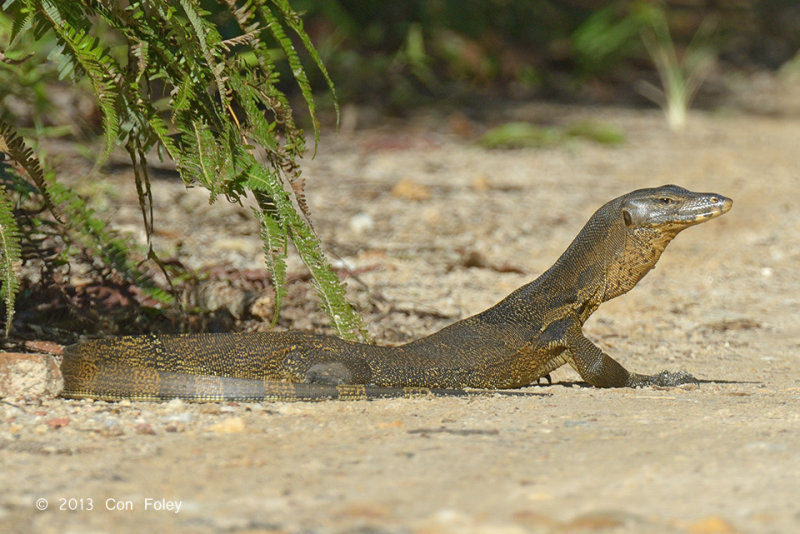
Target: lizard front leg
{"points": [[324, 367], [601, 370]]}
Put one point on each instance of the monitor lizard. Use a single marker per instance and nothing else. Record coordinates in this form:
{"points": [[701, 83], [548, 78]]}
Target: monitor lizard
{"points": [[515, 343]]}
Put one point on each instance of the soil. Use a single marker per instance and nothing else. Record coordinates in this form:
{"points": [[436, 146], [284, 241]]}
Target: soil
{"points": [[437, 228]]}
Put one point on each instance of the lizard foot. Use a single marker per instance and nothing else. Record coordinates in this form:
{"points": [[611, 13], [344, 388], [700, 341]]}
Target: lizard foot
{"points": [[330, 373], [337, 373], [663, 379]]}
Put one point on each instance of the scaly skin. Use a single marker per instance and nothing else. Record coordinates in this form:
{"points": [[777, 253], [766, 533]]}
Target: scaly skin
{"points": [[520, 340]]}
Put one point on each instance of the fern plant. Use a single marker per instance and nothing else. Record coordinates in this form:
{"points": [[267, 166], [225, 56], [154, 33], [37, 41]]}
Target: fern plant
{"points": [[10, 246], [10, 256], [227, 124]]}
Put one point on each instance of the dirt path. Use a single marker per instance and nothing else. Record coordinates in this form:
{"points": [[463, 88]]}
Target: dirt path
{"points": [[724, 303]]}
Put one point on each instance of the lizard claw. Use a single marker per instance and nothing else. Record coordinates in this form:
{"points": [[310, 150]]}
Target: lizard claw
{"points": [[547, 377], [665, 379]]}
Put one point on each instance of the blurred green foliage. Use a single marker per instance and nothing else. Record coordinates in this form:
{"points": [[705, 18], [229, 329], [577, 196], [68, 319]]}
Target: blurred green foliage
{"points": [[28, 96], [400, 54], [525, 134]]}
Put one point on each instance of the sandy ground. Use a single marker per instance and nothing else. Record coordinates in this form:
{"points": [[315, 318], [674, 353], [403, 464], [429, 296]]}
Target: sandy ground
{"points": [[723, 303]]}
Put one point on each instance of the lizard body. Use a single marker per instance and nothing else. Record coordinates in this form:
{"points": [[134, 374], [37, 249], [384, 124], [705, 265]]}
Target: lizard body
{"points": [[524, 337]]}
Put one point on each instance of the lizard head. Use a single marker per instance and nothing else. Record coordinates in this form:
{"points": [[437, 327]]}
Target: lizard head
{"points": [[670, 208], [646, 222]]}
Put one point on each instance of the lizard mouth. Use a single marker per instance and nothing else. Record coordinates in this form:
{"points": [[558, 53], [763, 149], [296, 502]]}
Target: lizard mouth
{"points": [[714, 207]]}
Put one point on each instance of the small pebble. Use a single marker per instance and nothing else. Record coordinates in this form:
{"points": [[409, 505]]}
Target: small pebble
{"points": [[231, 425], [361, 223]]}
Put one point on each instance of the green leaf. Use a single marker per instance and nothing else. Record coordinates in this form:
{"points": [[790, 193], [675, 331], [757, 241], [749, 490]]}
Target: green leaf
{"points": [[275, 239], [10, 256], [275, 27], [14, 146], [330, 290], [99, 67], [294, 21], [206, 34]]}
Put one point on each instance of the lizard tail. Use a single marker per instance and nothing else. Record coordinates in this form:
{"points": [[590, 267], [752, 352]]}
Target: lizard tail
{"points": [[108, 380]]}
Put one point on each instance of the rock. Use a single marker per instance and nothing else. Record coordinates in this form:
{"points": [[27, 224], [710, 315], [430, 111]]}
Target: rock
{"points": [[145, 429], [481, 183], [361, 223], [712, 525], [408, 189], [29, 376], [231, 425], [263, 307], [57, 422], [214, 295]]}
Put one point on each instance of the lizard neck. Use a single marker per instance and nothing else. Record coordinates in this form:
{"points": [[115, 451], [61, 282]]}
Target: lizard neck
{"points": [[605, 260]]}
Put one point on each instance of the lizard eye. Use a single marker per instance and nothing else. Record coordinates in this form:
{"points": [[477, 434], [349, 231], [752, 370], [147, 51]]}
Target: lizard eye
{"points": [[665, 200]]}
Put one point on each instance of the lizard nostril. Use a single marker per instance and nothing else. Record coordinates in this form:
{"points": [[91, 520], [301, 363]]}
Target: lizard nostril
{"points": [[714, 199]]}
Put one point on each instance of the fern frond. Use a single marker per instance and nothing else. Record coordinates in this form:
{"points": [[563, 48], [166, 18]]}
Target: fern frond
{"points": [[91, 232], [275, 238], [162, 133], [251, 100], [201, 159], [206, 35], [330, 290], [10, 256], [245, 16], [21, 23], [181, 98], [239, 40], [299, 73], [100, 68], [225, 105], [294, 21], [255, 90], [13, 145]]}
